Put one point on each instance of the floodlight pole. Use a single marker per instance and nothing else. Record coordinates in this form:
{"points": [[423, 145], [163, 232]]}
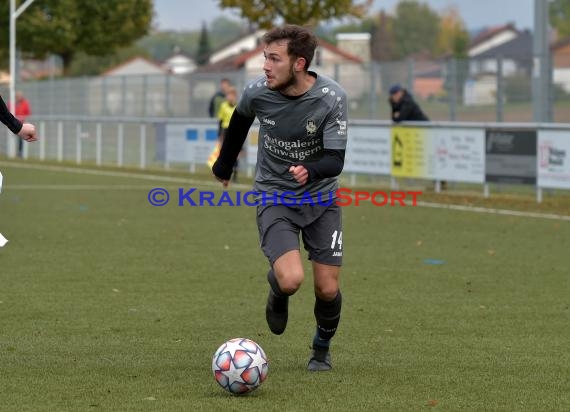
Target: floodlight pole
{"points": [[14, 14], [542, 68]]}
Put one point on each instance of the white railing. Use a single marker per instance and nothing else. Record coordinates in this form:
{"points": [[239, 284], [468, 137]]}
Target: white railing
{"points": [[480, 153]]}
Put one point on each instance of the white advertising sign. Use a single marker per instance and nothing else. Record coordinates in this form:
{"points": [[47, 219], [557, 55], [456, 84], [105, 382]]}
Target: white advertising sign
{"points": [[459, 154], [368, 150], [189, 143], [553, 159]]}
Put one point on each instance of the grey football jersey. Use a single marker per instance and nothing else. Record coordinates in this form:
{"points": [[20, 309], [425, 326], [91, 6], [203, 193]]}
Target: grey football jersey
{"points": [[295, 130]]}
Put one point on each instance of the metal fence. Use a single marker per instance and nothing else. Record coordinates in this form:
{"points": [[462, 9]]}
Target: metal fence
{"points": [[458, 90], [462, 153], [122, 142]]}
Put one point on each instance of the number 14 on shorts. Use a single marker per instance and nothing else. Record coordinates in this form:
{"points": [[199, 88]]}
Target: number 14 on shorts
{"points": [[336, 240]]}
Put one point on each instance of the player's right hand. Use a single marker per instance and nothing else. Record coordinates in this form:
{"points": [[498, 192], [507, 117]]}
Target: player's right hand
{"points": [[28, 132], [221, 172]]}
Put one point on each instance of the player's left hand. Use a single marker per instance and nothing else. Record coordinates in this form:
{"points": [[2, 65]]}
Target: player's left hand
{"points": [[225, 183], [300, 174]]}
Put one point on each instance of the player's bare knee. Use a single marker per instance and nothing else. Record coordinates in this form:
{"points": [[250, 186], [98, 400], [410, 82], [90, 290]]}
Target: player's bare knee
{"points": [[326, 292], [291, 282]]}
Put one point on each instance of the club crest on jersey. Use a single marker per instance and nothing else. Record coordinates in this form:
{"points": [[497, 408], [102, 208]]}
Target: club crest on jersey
{"points": [[311, 127]]}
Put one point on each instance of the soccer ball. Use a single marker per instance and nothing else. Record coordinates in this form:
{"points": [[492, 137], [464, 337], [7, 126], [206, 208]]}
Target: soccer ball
{"points": [[240, 366]]}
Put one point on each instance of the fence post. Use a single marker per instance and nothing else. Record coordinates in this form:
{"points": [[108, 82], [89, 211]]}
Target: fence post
{"points": [[500, 89], [145, 94], [410, 79], [98, 145], [25, 149], [167, 92], [452, 89], [120, 138], [373, 106], [142, 146], [104, 96], [11, 149], [78, 143], [42, 140], [60, 141], [123, 94]]}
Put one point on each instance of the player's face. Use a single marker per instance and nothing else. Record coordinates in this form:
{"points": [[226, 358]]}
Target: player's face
{"points": [[396, 97], [231, 98], [278, 66]]}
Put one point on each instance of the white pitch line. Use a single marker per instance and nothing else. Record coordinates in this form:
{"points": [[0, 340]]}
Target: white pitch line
{"points": [[119, 174], [80, 187], [507, 212], [473, 209]]}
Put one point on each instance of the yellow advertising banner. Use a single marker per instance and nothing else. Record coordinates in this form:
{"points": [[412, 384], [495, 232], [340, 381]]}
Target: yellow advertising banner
{"points": [[411, 153]]}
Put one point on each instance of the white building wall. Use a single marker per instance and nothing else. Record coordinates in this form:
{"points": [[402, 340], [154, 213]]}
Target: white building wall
{"points": [[492, 42]]}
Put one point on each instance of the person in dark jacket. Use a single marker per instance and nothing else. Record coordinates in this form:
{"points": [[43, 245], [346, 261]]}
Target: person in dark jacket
{"points": [[218, 97], [404, 107]]}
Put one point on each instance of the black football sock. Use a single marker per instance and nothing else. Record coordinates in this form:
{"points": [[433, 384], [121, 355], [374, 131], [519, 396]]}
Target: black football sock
{"points": [[281, 298], [327, 315]]}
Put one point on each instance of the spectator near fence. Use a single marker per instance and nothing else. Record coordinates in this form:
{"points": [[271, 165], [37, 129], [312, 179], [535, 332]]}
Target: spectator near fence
{"points": [[22, 112], [218, 98], [26, 131], [224, 115], [404, 107]]}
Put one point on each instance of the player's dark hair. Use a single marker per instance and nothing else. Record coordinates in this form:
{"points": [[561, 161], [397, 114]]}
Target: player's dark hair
{"points": [[301, 42]]}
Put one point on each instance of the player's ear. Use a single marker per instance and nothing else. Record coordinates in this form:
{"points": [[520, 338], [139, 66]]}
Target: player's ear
{"points": [[300, 64]]}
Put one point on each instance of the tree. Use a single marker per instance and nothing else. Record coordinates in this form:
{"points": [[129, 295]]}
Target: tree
{"points": [[415, 28], [453, 41], [559, 11], [265, 13], [453, 38], [67, 27], [85, 65], [223, 30], [203, 47], [381, 40]]}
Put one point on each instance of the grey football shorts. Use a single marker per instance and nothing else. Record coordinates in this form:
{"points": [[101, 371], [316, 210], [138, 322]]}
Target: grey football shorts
{"points": [[320, 227]]}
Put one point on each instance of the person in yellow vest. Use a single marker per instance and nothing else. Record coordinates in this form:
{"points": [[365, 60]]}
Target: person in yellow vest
{"points": [[224, 115]]}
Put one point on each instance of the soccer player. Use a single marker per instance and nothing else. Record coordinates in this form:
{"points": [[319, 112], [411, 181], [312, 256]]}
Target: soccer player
{"points": [[302, 142], [26, 131]]}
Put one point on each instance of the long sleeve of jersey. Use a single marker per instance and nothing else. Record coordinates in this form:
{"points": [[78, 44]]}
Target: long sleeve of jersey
{"points": [[330, 165], [8, 119], [233, 142]]}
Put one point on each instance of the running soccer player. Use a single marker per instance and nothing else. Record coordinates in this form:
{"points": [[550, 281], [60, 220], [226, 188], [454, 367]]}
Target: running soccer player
{"points": [[302, 142]]}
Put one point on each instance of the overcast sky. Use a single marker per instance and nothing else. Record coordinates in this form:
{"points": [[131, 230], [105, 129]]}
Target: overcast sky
{"points": [[187, 15]]}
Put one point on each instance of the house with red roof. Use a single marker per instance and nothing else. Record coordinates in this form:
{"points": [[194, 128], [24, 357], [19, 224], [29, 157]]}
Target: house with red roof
{"points": [[245, 56], [491, 37], [497, 51]]}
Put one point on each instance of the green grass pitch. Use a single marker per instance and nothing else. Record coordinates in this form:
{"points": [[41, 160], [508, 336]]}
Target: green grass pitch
{"points": [[108, 303]]}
